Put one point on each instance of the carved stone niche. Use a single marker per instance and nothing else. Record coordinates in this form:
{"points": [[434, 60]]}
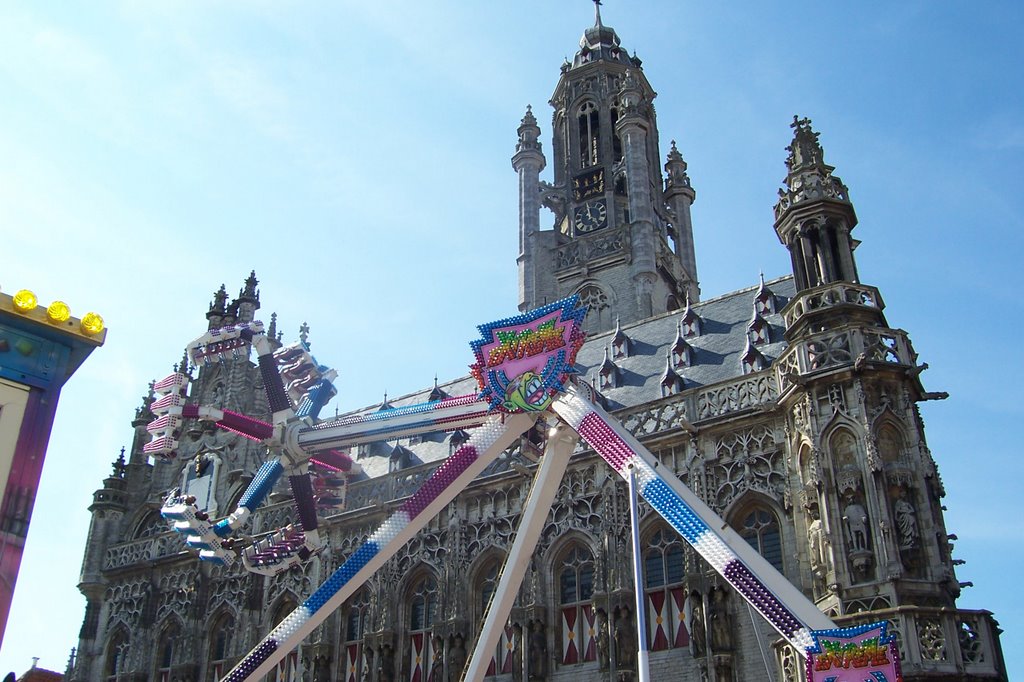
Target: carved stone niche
{"points": [[848, 482], [857, 530], [899, 476]]}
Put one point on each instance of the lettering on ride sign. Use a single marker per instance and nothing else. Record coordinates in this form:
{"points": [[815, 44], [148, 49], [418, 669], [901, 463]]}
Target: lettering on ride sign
{"points": [[855, 654], [523, 361], [525, 343]]}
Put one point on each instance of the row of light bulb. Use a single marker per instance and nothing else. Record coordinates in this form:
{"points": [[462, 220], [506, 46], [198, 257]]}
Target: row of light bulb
{"points": [[57, 312]]}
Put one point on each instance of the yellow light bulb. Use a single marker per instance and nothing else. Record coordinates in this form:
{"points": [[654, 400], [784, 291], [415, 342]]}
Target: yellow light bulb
{"points": [[92, 324], [58, 312], [24, 301]]}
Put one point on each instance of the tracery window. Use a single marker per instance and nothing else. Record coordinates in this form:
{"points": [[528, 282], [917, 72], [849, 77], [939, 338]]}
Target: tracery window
{"points": [[484, 586], [117, 654], [152, 524], [616, 140], [575, 581], [589, 134], [598, 310], [422, 609], [220, 645], [166, 649], [760, 528], [357, 615], [663, 586]]}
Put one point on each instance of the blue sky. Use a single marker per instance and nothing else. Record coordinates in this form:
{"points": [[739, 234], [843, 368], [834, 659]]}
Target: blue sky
{"points": [[357, 158]]}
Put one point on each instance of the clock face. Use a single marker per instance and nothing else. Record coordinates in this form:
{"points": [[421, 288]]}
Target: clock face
{"points": [[590, 216]]}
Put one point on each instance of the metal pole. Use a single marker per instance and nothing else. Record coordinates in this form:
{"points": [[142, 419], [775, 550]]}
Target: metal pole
{"points": [[643, 669]]}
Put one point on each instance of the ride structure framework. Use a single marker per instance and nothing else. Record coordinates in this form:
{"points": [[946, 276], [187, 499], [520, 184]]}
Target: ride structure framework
{"points": [[524, 367]]}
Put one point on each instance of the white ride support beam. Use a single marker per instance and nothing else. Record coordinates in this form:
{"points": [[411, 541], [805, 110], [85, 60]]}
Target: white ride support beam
{"points": [[561, 443]]}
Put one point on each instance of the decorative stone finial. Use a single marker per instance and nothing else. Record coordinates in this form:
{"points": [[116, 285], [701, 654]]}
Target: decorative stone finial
{"points": [[528, 132], [304, 334], [250, 292], [272, 329], [808, 178], [143, 414], [805, 150], [118, 466], [675, 169], [220, 298]]}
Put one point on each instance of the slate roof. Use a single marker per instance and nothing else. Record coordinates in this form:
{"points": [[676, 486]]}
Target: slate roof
{"points": [[716, 358]]}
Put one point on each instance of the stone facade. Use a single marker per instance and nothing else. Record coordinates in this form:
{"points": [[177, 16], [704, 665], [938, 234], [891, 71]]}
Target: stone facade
{"points": [[789, 406]]}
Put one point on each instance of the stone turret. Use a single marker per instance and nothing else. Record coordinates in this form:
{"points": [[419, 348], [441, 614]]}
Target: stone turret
{"points": [[528, 162], [814, 216]]}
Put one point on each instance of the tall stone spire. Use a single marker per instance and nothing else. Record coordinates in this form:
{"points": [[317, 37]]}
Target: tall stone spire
{"points": [[814, 215]]}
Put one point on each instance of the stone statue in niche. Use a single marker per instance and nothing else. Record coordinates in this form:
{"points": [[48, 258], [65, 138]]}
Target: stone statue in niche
{"points": [[856, 520], [721, 622], [906, 521], [817, 546], [698, 634], [456, 658], [437, 662], [321, 669], [367, 661], [386, 664], [538, 653], [517, 652], [602, 638], [625, 641], [858, 535]]}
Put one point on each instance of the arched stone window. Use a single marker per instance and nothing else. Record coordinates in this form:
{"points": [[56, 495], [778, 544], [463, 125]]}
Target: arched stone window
{"points": [[589, 134], [664, 567], [167, 651], [484, 584], [151, 524], [758, 525], [616, 140], [574, 580], [598, 307], [357, 613], [220, 645], [116, 666], [421, 612]]}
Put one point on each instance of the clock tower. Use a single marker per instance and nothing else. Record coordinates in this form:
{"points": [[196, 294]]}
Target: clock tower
{"points": [[621, 237]]}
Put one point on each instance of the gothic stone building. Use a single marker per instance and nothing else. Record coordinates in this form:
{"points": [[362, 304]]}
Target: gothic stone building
{"points": [[789, 406]]}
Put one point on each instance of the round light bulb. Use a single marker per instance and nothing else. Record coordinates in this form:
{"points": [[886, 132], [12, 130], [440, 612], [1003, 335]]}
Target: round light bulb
{"points": [[24, 301], [58, 312], [92, 324]]}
